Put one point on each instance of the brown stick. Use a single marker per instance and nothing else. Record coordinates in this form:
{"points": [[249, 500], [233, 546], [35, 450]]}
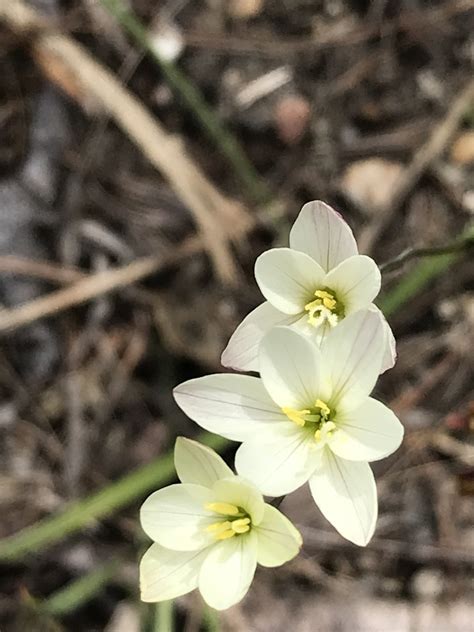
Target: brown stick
{"points": [[44, 270], [421, 161], [92, 286], [70, 66]]}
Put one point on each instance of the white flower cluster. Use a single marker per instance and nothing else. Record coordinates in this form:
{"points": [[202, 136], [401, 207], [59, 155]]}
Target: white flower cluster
{"points": [[319, 345]]}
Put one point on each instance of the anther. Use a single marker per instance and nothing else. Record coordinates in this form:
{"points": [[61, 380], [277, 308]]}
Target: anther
{"points": [[226, 509]]}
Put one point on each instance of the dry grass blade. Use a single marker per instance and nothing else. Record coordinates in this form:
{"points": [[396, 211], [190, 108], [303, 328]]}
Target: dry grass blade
{"points": [[91, 287], [95, 88]]}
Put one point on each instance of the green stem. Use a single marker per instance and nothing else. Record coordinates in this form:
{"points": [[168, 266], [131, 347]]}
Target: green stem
{"points": [[195, 102], [422, 274], [210, 619], [79, 591], [78, 515], [163, 616]]}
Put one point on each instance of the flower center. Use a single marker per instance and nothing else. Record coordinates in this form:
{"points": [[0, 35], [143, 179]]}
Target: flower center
{"points": [[325, 307], [234, 521], [317, 418]]}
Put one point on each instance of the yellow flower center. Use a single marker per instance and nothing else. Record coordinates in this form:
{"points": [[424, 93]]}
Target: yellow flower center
{"points": [[235, 521], [317, 419], [324, 308]]}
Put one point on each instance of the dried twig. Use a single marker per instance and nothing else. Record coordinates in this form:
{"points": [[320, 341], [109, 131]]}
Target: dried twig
{"points": [[45, 270], [318, 539], [71, 67], [421, 161], [93, 286], [329, 38]]}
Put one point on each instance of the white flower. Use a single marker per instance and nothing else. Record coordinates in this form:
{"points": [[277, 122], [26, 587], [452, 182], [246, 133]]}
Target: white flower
{"points": [[309, 418], [209, 532], [311, 286]]}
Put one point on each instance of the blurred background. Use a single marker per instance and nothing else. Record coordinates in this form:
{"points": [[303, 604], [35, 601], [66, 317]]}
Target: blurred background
{"points": [[150, 150]]}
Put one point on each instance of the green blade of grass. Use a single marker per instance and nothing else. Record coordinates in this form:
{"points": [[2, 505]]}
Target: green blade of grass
{"points": [[420, 276], [194, 101], [82, 513], [80, 591]]}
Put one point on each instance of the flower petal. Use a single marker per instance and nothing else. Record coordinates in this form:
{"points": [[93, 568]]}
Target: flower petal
{"points": [[288, 278], [367, 433], [390, 354], [356, 282], [166, 574], [352, 357], [241, 493], [280, 462], [241, 352], [346, 495], [321, 233], [278, 540], [175, 517], [228, 571], [234, 406], [196, 463], [290, 367]]}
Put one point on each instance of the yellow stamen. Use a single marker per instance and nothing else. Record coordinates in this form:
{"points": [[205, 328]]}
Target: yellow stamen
{"points": [[325, 410], [323, 294], [241, 526], [225, 535], [312, 305], [296, 416], [225, 509], [328, 299], [219, 526], [323, 308]]}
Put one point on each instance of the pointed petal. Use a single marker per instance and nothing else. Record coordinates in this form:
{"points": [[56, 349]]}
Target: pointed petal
{"points": [[290, 368], [234, 406], [241, 352], [367, 433], [280, 462], [352, 357], [175, 517], [356, 282], [288, 278], [228, 571], [321, 233], [346, 495], [390, 354], [278, 540], [241, 493], [166, 574], [196, 463]]}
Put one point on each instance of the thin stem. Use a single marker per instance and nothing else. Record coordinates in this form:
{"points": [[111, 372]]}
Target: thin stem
{"points": [[164, 616], [412, 253], [194, 101], [426, 270], [276, 502], [210, 619], [79, 591]]}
